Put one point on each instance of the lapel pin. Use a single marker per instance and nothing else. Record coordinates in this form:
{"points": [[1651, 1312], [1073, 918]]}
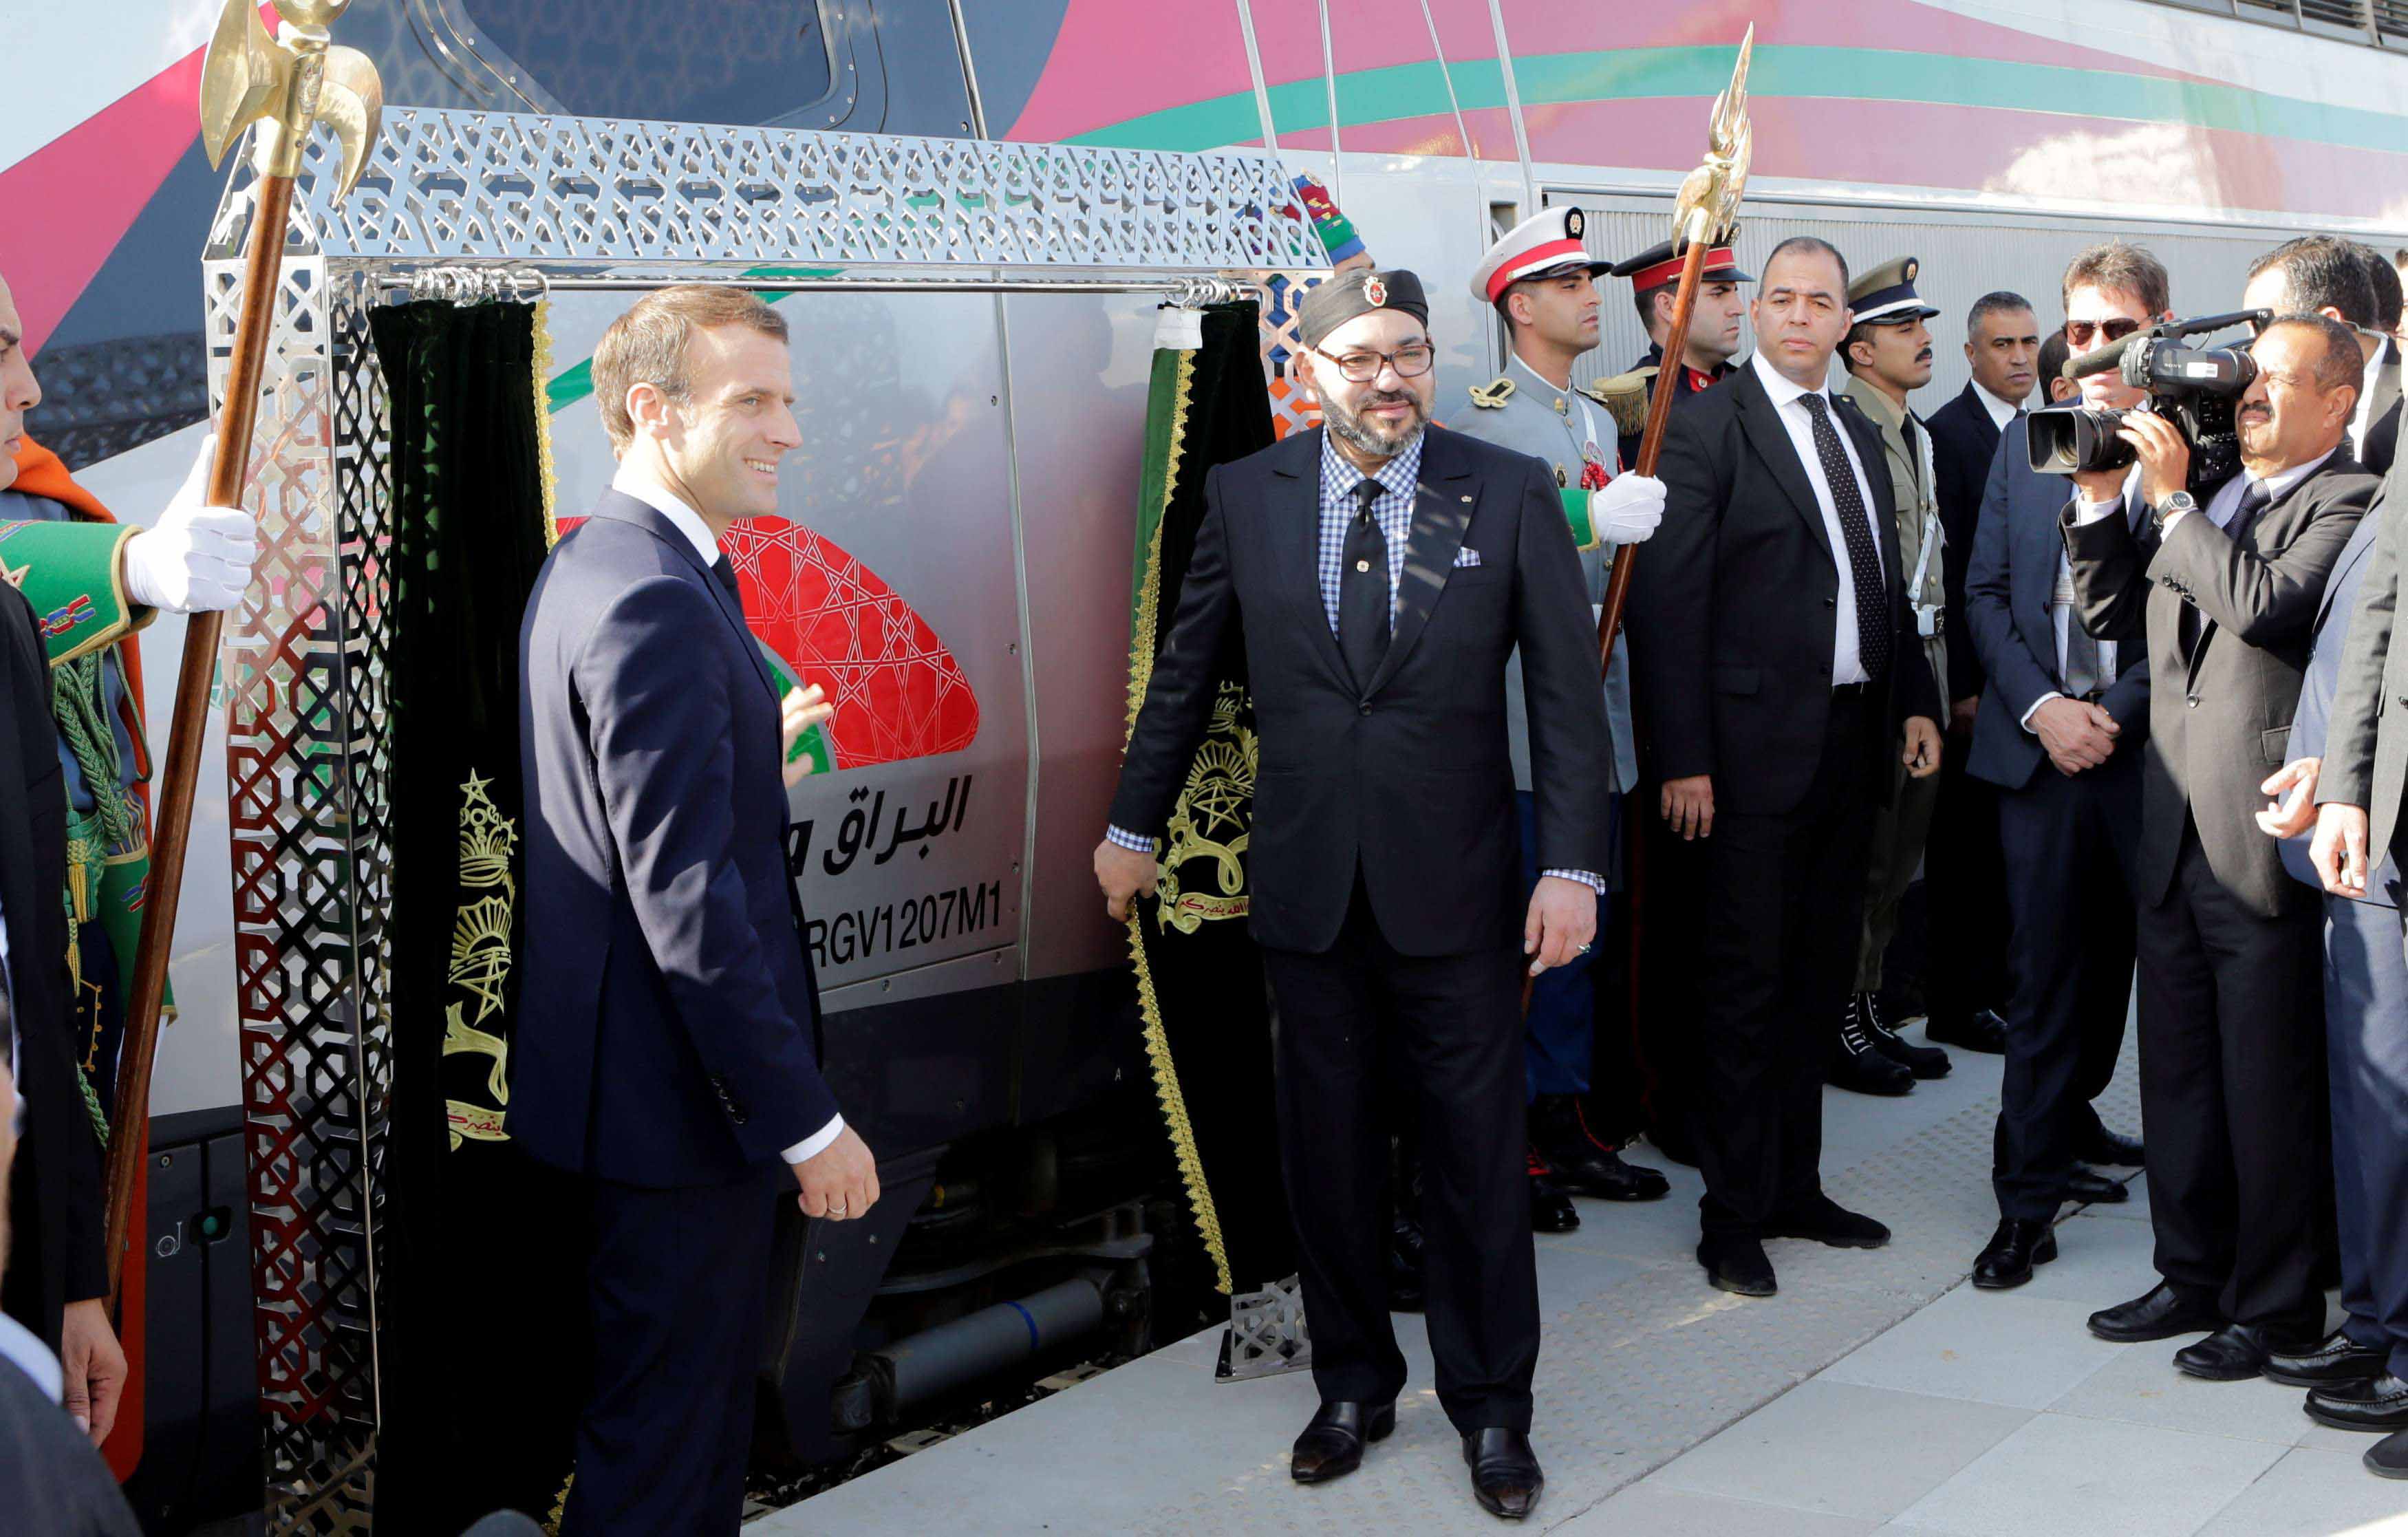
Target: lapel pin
{"points": [[1467, 498]]}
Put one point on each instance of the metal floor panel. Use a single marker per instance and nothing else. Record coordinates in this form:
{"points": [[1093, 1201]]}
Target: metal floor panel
{"points": [[1639, 1361]]}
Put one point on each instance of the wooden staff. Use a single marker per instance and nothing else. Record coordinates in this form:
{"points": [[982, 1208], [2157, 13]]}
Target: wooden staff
{"points": [[283, 84], [1701, 215]]}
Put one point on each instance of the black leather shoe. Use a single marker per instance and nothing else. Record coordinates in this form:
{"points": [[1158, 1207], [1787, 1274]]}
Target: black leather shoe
{"points": [[2161, 1314], [1505, 1476], [2092, 1189], [1579, 1162], [1858, 1065], [1826, 1221], [1922, 1061], [2377, 1403], [1551, 1210], [2335, 1359], [1332, 1444], [2388, 1457], [1979, 1031], [2008, 1259], [1405, 1246], [1737, 1265], [2110, 1150], [2235, 1353]]}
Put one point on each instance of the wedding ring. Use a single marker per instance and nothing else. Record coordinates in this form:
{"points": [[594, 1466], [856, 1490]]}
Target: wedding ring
{"points": [[1583, 950], [836, 1209]]}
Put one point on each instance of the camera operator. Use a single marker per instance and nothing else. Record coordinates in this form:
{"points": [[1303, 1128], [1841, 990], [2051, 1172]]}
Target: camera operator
{"points": [[2317, 275], [2231, 999]]}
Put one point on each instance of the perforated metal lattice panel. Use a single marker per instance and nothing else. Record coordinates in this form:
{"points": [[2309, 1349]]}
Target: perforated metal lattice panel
{"points": [[452, 183]]}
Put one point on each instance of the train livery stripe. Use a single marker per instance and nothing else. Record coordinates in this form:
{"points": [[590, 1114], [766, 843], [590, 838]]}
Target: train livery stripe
{"points": [[1866, 74]]}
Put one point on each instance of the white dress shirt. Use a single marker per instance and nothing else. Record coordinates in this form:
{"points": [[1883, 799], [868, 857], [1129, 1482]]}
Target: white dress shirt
{"points": [[2001, 411], [1847, 667], [21, 1348], [2060, 603], [2362, 418], [690, 524]]}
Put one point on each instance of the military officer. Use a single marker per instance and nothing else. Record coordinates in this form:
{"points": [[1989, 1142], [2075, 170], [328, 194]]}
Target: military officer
{"points": [[1664, 1033], [1888, 354], [1541, 280], [1715, 319]]}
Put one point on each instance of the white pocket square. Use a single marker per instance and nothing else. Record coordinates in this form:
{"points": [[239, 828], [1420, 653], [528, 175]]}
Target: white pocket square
{"points": [[1466, 556]]}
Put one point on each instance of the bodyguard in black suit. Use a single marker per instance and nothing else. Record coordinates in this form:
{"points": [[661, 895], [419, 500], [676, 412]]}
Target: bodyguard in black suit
{"points": [[2366, 1006], [1382, 570], [1964, 980], [1776, 658], [667, 1047], [2226, 595], [2058, 741]]}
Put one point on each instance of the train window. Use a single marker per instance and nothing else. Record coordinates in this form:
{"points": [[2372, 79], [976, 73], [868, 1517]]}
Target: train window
{"points": [[889, 66]]}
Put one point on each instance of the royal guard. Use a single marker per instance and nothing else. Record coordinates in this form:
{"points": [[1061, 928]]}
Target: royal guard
{"points": [[1665, 883], [1541, 280], [92, 583], [1714, 338]]}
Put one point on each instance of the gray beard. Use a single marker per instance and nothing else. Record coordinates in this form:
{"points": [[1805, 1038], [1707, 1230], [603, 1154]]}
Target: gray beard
{"points": [[1351, 430]]}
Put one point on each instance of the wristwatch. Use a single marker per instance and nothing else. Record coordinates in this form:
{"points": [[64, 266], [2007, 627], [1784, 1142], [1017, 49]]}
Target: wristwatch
{"points": [[2172, 506]]}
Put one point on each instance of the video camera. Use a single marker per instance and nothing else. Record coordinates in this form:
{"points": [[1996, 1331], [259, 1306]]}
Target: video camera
{"points": [[2198, 389]]}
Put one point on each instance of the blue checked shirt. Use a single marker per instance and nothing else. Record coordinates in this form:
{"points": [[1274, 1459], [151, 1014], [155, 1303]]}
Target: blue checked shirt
{"points": [[1394, 509]]}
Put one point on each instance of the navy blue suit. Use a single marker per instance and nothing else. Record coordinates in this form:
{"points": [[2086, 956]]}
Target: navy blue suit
{"points": [[2071, 842], [667, 1036], [2365, 1017]]}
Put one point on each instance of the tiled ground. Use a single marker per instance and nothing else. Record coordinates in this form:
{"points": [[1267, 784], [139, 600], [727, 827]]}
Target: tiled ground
{"points": [[1876, 1393]]}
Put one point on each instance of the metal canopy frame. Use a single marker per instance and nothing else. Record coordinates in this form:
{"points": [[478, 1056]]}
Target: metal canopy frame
{"points": [[573, 203]]}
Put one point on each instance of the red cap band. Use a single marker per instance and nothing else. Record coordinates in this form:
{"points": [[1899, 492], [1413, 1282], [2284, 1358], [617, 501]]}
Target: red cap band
{"points": [[1536, 259], [1664, 272]]}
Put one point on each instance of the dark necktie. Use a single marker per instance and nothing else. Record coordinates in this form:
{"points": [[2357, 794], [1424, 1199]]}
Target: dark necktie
{"points": [[1363, 589], [2253, 500], [1864, 559], [724, 570]]}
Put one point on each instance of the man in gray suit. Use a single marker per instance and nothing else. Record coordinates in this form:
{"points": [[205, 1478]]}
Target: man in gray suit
{"points": [[2366, 1004], [2226, 594]]}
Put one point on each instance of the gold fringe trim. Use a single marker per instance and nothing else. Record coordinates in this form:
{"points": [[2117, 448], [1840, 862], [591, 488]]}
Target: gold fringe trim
{"points": [[545, 475], [1157, 1043], [1148, 602], [1174, 1112], [560, 1506]]}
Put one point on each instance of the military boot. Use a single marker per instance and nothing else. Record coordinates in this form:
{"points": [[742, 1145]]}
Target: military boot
{"points": [[1922, 1061], [1858, 1063], [1559, 1130]]}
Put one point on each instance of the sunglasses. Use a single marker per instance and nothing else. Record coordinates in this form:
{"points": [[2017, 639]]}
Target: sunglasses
{"points": [[2080, 333]]}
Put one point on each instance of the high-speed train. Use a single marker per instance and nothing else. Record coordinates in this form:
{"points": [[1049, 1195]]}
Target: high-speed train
{"points": [[971, 470]]}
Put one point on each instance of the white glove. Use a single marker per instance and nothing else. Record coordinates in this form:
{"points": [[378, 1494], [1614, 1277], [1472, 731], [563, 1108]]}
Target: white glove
{"points": [[195, 559], [1628, 510]]}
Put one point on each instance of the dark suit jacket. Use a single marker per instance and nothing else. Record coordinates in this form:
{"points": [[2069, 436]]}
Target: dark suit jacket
{"points": [[668, 1022], [2016, 548], [2366, 748], [2317, 690], [1403, 775], [1964, 440], [2220, 717], [55, 1199], [57, 1484], [2382, 443], [1734, 602], [1683, 391]]}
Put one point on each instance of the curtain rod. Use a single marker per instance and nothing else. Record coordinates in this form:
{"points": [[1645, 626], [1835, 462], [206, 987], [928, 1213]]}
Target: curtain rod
{"points": [[474, 285]]}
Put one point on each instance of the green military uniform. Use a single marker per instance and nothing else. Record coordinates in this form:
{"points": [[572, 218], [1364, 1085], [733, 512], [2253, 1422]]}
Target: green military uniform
{"points": [[1568, 430], [72, 571], [1901, 827]]}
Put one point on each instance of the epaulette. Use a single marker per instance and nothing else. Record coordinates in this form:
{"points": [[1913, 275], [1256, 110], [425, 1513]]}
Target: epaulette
{"points": [[1492, 395], [1625, 395]]}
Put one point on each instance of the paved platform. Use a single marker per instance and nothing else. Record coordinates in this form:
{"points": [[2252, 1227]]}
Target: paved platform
{"points": [[1875, 1393]]}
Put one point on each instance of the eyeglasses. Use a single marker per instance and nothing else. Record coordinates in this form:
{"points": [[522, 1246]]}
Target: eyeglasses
{"points": [[1411, 362], [2080, 332]]}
